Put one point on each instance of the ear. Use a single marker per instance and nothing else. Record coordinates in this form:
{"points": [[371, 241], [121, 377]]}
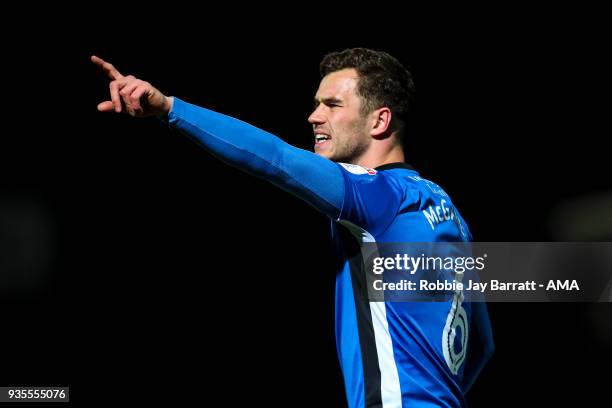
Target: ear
{"points": [[380, 122]]}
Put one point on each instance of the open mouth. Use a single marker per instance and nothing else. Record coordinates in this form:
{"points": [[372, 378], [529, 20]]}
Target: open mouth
{"points": [[321, 138]]}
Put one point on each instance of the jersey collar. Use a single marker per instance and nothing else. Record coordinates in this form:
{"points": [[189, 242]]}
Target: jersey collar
{"points": [[398, 165]]}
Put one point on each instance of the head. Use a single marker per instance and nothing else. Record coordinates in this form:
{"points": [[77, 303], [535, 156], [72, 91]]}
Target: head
{"points": [[362, 105]]}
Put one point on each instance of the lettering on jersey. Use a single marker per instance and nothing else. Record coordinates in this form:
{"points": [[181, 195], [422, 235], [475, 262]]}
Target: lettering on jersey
{"points": [[355, 169], [431, 186], [455, 335], [438, 213], [456, 331]]}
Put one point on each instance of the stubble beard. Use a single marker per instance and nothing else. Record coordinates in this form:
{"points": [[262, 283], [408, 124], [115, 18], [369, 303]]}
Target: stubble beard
{"points": [[351, 147]]}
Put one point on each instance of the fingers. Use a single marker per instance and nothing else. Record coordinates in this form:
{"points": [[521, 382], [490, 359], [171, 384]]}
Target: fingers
{"points": [[117, 90], [115, 87], [139, 91], [141, 105], [108, 68], [128, 90], [106, 106], [126, 93], [133, 94]]}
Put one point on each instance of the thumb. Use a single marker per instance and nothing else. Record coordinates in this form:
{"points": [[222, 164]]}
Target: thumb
{"points": [[106, 106]]}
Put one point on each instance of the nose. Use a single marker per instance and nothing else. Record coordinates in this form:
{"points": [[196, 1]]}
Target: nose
{"points": [[316, 117]]}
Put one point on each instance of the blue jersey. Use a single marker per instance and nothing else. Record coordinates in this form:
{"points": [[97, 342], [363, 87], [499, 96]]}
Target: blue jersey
{"points": [[400, 354], [392, 354]]}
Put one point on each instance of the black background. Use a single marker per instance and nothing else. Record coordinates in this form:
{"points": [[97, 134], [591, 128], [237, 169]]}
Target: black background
{"points": [[138, 266]]}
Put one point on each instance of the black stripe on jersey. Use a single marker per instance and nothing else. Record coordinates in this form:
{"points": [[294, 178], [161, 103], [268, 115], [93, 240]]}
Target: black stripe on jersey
{"points": [[367, 340]]}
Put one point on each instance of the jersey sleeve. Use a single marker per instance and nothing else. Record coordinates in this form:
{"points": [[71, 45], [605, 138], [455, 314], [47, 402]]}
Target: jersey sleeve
{"points": [[372, 199], [313, 178]]}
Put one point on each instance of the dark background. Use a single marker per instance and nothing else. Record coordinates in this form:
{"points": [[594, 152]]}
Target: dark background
{"points": [[135, 265]]}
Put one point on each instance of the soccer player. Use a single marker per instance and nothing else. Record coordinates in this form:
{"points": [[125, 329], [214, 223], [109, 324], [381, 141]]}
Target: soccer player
{"points": [[392, 354]]}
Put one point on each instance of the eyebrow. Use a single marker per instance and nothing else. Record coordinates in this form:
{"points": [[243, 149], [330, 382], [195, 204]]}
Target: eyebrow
{"points": [[327, 101]]}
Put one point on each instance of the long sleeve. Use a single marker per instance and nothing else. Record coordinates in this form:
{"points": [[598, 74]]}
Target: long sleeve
{"points": [[313, 178]]}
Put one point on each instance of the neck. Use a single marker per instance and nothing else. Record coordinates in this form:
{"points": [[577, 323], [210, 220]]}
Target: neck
{"points": [[377, 156]]}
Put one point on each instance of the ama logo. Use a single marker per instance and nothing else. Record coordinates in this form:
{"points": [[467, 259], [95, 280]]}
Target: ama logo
{"points": [[562, 285]]}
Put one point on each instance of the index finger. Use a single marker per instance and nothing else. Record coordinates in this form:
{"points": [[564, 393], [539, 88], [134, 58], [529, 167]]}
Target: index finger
{"points": [[107, 67]]}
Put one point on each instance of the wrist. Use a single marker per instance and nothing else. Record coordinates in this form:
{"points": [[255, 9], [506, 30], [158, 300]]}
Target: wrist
{"points": [[166, 108]]}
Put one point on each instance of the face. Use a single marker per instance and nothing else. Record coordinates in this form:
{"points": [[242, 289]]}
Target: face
{"points": [[340, 130]]}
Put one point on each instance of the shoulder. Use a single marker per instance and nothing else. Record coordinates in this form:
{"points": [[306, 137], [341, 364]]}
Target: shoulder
{"points": [[356, 169]]}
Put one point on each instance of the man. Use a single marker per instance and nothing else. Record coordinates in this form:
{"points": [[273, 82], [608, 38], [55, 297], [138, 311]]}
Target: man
{"points": [[392, 354]]}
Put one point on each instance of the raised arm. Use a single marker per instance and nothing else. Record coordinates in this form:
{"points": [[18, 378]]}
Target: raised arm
{"points": [[313, 178]]}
